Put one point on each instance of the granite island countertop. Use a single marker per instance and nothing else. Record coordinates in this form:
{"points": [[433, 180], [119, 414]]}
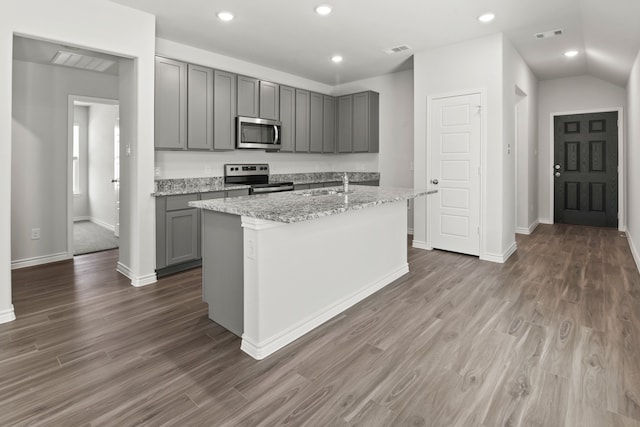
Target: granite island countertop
{"points": [[304, 205]]}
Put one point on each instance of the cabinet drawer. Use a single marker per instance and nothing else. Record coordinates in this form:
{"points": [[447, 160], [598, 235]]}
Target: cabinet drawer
{"points": [[237, 193], [212, 195], [180, 202]]}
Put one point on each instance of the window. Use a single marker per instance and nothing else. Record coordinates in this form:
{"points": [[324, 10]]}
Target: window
{"points": [[76, 158]]}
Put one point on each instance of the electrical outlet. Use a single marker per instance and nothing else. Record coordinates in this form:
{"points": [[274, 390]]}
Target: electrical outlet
{"points": [[157, 171], [207, 170], [35, 233]]}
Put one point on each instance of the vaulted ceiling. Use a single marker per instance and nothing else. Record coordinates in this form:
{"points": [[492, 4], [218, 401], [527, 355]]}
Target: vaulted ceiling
{"points": [[288, 35]]}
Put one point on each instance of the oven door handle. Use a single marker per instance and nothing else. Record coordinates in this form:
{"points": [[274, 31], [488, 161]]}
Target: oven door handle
{"points": [[277, 138], [271, 189]]}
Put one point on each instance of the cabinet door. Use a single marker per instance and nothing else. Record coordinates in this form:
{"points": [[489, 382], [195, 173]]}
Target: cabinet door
{"points": [[329, 125], [302, 121], [182, 236], [200, 108], [315, 123], [361, 122], [170, 104], [224, 110], [247, 96], [287, 117], [345, 124], [269, 100]]}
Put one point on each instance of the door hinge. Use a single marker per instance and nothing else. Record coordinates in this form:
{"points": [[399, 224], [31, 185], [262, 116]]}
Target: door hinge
{"points": [[478, 170], [478, 230]]}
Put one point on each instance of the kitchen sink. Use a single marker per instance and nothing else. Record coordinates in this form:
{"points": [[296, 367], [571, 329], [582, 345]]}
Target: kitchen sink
{"points": [[323, 192]]}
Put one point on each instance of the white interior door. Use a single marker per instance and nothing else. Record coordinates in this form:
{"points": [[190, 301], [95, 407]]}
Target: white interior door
{"points": [[454, 212], [116, 175]]}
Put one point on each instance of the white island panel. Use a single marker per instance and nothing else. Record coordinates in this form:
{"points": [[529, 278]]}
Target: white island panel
{"points": [[299, 275]]}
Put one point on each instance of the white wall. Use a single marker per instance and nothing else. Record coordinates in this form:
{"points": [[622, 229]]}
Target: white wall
{"points": [[633, 160], [40, 150], [521, 191], [470, 66], [102, 200], [396, 126], [107, 27], [583, 93], [172, 164], [81, 201]]}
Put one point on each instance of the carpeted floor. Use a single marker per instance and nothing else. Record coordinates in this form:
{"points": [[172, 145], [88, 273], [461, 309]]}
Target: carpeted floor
{"points": [[90, 237]]}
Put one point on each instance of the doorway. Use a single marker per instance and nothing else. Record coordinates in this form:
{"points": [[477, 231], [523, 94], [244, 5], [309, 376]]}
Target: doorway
{"points": [[95, 170], [585, 169], [455, 135]]}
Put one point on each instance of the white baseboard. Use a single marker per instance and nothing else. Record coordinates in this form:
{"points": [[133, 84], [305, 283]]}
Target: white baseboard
{"points": [[7, 316], [634, 251], [273, 344], [500, 258], [421, 245], [545, 221], [410, 231], [81, 218], [137, 281], [102, 224], [529, 230], [44, 259]]}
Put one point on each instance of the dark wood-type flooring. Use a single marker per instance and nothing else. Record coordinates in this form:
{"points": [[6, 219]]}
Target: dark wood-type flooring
{"points": [[550, 338]]}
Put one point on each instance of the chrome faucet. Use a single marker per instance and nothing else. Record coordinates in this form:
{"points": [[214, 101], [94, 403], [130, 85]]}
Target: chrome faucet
{"points": [[345, 183]]}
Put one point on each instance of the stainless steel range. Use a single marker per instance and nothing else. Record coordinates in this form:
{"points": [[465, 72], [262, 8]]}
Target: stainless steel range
{"points": [[255, 175]]}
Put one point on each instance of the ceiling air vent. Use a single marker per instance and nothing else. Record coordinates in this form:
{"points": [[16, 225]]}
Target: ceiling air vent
{"points": [[548, 34], [397, 49], [85, 62]]}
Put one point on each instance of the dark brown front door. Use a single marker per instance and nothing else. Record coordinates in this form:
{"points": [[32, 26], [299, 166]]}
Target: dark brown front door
{"points": [[586, 169]]}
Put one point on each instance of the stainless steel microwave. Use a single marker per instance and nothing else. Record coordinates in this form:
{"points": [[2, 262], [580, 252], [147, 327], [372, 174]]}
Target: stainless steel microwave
{"points": [[258, 133]]}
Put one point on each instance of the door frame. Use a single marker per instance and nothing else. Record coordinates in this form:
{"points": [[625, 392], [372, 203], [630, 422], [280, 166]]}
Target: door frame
{"points": [[622, 224], [483, 162], [71, 99]]}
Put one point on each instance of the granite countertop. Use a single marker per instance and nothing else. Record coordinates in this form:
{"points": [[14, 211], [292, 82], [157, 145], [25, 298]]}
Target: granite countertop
{"points": [[303, 205], [173, 186]]}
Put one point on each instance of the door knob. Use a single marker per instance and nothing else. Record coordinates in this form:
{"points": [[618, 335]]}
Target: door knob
{"points": [[557, 167], [434, 181], [557, 174]]}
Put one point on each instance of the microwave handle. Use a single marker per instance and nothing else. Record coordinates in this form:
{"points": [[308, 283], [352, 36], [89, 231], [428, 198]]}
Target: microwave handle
{"points": [[277, 140]]}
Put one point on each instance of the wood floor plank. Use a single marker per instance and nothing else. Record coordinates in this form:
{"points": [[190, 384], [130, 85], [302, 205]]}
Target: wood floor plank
{"points": [[549, 338]]}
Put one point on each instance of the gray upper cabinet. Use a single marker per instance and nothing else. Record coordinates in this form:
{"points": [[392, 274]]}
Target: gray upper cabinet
{"points": [[302, 121], [170, 104], [315, 123], [287, 117], [200, 108], [358, 123], [224, 110], [329, 124], [345, 124], [248, 96], [269, 100], [365, 122]]}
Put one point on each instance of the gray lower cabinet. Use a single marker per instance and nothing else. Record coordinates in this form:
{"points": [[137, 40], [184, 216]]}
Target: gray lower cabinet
{"points": [[200, 108], [345, 124], [170, 104], [302, 121], [248, 96], [269, 100], [329, 124], [287, 118], [316, 111], [224, 110], [178, 230]]}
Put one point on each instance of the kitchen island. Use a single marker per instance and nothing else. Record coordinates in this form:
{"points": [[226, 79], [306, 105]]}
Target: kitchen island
{"points": [[276, 266]]}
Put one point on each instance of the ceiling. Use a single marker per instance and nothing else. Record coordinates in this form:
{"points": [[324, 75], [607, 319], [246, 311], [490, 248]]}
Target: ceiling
{"points": [[288, 35]]}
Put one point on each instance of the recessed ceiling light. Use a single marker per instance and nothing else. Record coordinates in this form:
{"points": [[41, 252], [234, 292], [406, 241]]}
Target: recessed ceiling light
{"points": [[571, 53], [336, 58], [323, 9], [487, 17], [225, 16]]}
